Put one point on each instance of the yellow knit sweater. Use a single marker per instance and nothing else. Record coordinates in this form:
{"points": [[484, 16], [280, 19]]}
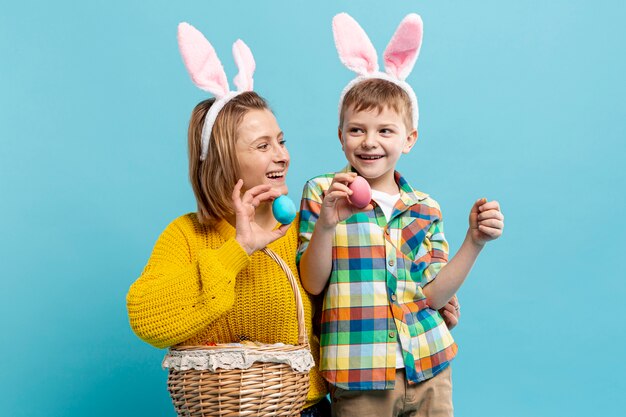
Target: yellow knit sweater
{"points": [[200, 286]]}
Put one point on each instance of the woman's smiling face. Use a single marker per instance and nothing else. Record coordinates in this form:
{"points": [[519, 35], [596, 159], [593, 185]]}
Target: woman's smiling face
{"points": [[261, 152]]}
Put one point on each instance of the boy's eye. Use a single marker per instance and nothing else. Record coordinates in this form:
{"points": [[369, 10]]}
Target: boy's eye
{"points": [[386, 131], [355, 130]]}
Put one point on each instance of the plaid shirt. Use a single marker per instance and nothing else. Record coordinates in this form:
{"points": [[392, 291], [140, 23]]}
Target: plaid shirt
{"points": [[374, 297]]}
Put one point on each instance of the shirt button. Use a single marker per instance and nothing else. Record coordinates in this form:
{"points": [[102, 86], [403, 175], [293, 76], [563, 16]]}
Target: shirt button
{"points": [[391, 262], [392, 334], [393, 297]]}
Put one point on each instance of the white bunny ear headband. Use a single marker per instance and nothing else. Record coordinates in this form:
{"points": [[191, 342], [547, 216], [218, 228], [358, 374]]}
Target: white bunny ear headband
{"points": [[358, 54], [208, 74]]}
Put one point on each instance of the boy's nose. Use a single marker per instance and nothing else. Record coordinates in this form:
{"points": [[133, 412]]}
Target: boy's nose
{"points": [[369, 141]]}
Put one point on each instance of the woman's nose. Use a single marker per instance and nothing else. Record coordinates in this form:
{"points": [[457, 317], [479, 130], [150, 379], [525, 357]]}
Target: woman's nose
{"points": [[281, 154]]}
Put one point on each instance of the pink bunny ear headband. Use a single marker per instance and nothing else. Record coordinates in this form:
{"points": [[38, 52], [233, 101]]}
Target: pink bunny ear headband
{"points": [[358, 54], [208, 74]]}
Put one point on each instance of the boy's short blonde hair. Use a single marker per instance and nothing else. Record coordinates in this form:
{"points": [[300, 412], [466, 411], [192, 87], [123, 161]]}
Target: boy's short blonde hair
{"points": [[214, 178], [376, 93]]}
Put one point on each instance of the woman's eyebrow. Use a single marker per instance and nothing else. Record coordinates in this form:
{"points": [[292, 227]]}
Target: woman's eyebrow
{"points": [[268, 137]]}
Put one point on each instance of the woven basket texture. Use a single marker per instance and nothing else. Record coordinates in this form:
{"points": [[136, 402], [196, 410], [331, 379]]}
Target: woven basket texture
{"points": [[264, 389]]}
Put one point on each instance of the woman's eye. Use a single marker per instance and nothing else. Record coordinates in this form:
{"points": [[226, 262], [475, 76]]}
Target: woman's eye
{"points": [[282, 142], [263, 146]]}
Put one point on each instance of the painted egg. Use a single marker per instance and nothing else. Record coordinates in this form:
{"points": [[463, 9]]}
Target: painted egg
{"points": [[361, 192], [284, 209]]}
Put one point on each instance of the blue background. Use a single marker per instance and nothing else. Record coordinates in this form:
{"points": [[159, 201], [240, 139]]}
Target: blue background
{"points": [[521, 101]]}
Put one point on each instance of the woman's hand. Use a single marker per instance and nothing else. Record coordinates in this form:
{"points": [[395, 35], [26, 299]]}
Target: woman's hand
{"points": [[451, 312], [336, 207], [249, 234], [486, 221]]}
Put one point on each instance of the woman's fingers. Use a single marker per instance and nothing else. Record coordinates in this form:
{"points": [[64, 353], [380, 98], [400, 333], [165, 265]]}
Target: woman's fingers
{"points": [[236, 195], [266, 196], [451, 312], [280, 231], [454, 302], [452, 306], [450, 318], [256, 190], [261, 193]]}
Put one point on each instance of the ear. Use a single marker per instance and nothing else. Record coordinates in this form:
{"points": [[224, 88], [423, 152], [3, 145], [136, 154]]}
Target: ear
{"points": [[410, 141], [340, 135], [201, 61], [404, 47], [245, 62], [353, 45]]}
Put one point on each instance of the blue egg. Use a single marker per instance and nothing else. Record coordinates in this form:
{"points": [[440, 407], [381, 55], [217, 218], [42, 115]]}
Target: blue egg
{"points": [[284, 209]]}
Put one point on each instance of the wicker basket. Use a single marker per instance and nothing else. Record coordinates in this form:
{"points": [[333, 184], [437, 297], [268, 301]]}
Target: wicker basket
{"points": [[263, 389]]}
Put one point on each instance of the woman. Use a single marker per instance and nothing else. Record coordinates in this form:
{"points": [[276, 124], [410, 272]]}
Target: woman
{"points": [[206, 280]]}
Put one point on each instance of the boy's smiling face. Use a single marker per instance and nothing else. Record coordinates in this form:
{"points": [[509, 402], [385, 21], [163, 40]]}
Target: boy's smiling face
{"points": [[373, 143]]}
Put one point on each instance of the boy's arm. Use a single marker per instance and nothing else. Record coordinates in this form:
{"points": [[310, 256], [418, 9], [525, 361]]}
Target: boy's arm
{"points": [[319, 216], [452, 275], [486, 223], [316, 261]]}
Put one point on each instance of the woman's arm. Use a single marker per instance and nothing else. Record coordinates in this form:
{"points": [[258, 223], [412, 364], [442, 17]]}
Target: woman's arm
{"points": [[175, 297], [179, 292]]}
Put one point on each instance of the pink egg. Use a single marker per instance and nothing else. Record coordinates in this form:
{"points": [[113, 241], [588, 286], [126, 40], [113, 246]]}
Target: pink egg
{"points": [[361, 192]]}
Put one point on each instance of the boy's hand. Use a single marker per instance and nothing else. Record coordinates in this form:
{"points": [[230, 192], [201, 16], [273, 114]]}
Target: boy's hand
{"points": [[486, 221], [335, 206]]}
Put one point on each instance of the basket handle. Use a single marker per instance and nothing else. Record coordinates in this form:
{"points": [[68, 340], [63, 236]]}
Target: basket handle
{"points": [[302, 339]]}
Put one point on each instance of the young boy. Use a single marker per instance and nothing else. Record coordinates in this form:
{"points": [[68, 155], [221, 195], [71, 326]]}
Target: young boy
{"points": [[385, 349]]}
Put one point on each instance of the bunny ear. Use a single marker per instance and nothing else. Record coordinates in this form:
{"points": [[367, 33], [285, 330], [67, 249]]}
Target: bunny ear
{"points": [[245, 63], [201, 61], [354, 46], [404, 47]]}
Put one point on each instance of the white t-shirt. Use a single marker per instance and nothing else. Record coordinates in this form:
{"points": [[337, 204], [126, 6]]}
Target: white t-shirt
{"points": [[386, 202]]}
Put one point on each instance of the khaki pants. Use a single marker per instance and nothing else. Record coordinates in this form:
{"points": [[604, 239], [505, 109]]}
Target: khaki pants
{"points": [[431, 398]]}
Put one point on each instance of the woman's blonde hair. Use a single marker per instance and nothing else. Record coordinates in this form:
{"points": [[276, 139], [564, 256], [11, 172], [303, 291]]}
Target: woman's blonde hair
{"points": [[213, 179]]}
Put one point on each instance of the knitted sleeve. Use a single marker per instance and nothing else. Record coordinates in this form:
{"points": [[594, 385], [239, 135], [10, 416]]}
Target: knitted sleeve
{"points": [[179, 293]]}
